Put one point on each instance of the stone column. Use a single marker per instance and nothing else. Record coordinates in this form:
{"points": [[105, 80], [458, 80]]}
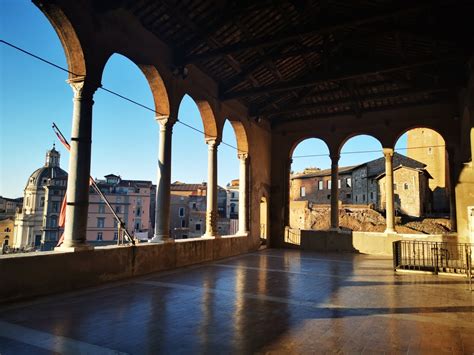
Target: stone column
{"points": [[75, 227], [389, 203], [451, 189], [243, 227], [163, 183], [211, 210], [334, 192]]}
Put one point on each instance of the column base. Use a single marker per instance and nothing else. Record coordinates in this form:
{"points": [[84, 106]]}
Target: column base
{"points": [[335, 229], [69, 249], [161, 239], [212, 235], [245, 233], [390, 231]]}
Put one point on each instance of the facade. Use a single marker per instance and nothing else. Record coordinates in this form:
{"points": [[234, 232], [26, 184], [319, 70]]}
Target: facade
{"points": [[361, 185], [36, 223], [188, 205], [7, 226], [411, 191], [9, 206], [428, 146], [232, 205], [130, 200]]}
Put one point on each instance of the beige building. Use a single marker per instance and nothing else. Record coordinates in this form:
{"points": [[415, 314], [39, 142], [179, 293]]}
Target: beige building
{"points": [[130, 200], [36, 223], [411, 191], [7, 226], [428, 147]]}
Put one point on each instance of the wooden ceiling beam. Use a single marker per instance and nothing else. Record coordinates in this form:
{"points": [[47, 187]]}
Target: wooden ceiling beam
{"points": [[295, 34], [322, 77]]}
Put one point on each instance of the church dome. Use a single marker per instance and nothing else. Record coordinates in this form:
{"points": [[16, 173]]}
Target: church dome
{"points": [[50, 170]]}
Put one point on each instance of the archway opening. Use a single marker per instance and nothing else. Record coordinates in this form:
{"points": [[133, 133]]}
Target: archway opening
{"points": [[263, 220], [360, 165], [228, 182], [309, 186], [124, 152], [189, 177], [422, 184]]}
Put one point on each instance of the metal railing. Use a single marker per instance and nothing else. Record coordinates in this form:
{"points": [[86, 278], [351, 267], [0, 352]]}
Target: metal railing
{"points": [[436, 257]]}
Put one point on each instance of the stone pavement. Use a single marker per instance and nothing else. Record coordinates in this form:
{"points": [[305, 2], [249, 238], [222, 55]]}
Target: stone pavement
{"points": [[273, 301]]}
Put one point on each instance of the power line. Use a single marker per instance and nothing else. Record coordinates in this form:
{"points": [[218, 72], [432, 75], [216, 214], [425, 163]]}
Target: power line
{"points": [[177, 120], [367, 151], [24, 51]]}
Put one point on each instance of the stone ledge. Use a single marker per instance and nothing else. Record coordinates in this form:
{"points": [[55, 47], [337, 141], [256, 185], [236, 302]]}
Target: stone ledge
{"points": [[29, 275]]}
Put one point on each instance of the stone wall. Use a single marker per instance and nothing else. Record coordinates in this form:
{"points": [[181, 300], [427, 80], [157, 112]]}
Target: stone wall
{"points": [[30, 275]]}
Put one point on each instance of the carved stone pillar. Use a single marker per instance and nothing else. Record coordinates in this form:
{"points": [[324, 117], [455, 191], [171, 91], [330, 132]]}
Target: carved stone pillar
{"points": [[334, 192], [243, 226], [389, 201], [79, 167], [211, 211], [163, 183]]}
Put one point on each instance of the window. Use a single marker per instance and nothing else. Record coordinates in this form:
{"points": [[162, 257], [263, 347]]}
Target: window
{"points": [[394, 187], [198, 226], [430, 150], [115, 235], [329, 197], [349, 182], [139, 200], [232, 208], [99, 236], [339, 183], [139, 212], [53, 222], [371, 195], [405, 186], [194, 205], [115, 223], [118, 209], [55, 206], [363, 197], [356, 198], [329, 184], [302, 191], [137, 226], [320, 184], [100, 222], [348, 195], [232, 195], [183, 223], [181, 211], [101, 208], [42, 202]]}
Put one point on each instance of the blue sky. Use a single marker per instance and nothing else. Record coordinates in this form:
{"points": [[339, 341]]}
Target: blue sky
{"points": [[125, 136]]}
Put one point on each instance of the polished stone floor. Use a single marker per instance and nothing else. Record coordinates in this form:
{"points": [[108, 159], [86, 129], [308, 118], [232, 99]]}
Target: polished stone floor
{"points": [[273, 301]]}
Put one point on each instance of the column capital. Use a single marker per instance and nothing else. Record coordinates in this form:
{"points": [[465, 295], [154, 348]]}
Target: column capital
{"points": [[213, 142], [242, 156], [82, 87], [387, 152], [166, 122], [335, 158]]}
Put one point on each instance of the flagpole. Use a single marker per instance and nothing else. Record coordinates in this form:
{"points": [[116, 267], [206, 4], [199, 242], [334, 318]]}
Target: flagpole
{"points": [[95, 187]]}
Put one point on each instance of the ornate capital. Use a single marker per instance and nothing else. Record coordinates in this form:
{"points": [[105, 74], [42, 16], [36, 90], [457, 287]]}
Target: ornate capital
{"points": [[387, 152], [212, 142], [82, 88], [243, 156], [166, 122], [334, 158]]}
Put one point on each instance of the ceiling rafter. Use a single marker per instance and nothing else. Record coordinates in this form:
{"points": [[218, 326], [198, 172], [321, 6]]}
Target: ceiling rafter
{"points": [[294, 34]]}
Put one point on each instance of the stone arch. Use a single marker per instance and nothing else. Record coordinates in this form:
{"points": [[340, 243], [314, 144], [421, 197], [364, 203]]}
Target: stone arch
{"points": [[68, 36], [155, 82], [406, 130], [240, 135], [207, 116], [301, 139], [352, 135]]}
